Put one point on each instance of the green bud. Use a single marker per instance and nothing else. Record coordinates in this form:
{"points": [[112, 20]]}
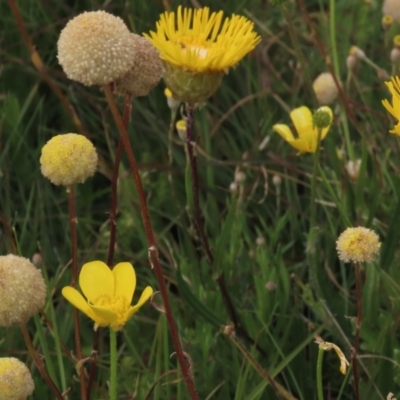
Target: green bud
{"points": [[321, 119]]}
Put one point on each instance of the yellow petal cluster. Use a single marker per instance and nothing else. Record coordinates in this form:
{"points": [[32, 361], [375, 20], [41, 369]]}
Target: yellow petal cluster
{"points": [[95, 48], [108, 294], [358, 245], [68, 159], [198, 47], [15, 379], [306, 140], [22, 290], [394, 108]]}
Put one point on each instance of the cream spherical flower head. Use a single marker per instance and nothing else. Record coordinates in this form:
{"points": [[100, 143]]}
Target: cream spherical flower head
{"points": [[358, 245], [392, 8], [68, 159], [197, 48], [325, 88], [15, 379], [23, 290], [394, 108], [145, 73], [108, 294], [307, 139], [95, 48]]}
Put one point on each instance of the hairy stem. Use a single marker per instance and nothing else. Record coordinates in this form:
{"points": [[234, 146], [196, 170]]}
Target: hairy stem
{"points": [[358, 328]]}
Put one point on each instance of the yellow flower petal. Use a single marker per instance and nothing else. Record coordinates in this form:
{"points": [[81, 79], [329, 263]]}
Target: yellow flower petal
{"points": [[326, 130], [104, 316], [389, 107], [396, 129], [143, 298], [77, 300], [284, 131], [304, 146], [302, 120], [96, 279], [125, 280]]}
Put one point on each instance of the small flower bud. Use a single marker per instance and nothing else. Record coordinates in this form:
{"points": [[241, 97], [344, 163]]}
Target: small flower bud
{"points": [[68, 159], [357, 52], [37, 259], [16, 381], [321, 119], [23, 291], [325, 88], [351, 62], [270, 286], [387, 22], [395, 55], [181, 128], [358, 245], [277, 180], [260, 241], [172, 103], [240, 177], [383, 75], [353, 169], [233, 187]]}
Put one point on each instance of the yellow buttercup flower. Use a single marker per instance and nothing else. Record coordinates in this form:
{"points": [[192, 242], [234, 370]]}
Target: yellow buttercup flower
{"points": [[306, 141], [394, 108], [108, 294], [198, 47]]}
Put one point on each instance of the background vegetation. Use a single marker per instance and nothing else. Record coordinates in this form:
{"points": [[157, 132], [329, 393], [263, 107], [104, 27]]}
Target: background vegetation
{"points": [[258, 234]]}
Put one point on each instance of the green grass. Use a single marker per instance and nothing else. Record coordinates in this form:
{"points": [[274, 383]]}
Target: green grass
{"points": [[230, 127]]}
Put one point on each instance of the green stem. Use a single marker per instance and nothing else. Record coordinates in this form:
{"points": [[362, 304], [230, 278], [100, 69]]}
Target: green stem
{"points": [[113, 364], [319, 373]]}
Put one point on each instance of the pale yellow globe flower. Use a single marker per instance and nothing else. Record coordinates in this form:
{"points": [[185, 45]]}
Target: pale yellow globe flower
{"points": [[108, 294], [394, 108], [307, 134]]}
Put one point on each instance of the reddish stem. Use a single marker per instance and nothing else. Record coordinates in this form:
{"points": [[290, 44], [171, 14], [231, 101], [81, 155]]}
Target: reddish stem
{"points": [[153, 252], [358, 329]]}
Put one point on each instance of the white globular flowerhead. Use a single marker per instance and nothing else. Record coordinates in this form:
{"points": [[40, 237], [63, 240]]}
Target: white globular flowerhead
{"points": [[23, 290], [95, 48], [145, 73]]}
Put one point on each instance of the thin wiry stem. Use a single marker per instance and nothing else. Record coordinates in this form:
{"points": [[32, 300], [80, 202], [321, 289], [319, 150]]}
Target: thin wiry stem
{"points": [[153, 251]]}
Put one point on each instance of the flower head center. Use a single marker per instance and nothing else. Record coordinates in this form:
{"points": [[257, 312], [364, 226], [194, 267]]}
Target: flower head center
{"points": [[197, 46], [118, 304]]}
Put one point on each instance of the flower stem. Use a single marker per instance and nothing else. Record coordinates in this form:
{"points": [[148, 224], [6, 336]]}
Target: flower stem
{"points": [[311, 245], [113, 364], [39, 363], [195, 184], [358, 328], [153, 252], [319, 373], [74, 251]]}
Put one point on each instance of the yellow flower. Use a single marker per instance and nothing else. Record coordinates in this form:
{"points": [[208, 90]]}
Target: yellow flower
{"points": [[358, 245], [306, 142], [394, 108], [108, 293], [198, 48]]}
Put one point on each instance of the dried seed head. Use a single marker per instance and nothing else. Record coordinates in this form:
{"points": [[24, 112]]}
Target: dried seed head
{"points": [[15, 379], [145, 73], [68, 159], [353, 169], [325, 88], [95, 48], [358, 245], [391, 7], [23, 291]]}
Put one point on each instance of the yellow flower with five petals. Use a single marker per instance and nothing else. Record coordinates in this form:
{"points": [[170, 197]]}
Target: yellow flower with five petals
{"points": [[108, 294], [307, 132], [394, 108]]}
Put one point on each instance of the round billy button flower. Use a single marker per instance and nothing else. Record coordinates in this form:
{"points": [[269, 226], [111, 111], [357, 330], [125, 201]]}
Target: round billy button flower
{"points": [[23, 291], [358, 245], [108, 294], [145, 73], [15, 379], [197, 48], [95, 48], [68, 159]]}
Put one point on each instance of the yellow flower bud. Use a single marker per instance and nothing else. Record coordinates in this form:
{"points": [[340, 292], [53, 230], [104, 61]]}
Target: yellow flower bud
{"points": [[391, 8], [23, 291], [68, 159]]}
